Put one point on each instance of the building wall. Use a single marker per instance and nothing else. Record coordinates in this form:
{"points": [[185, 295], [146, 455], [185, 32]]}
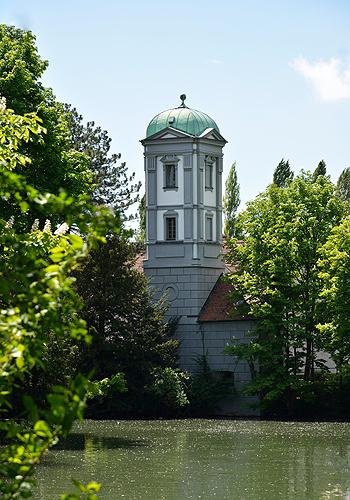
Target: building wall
{"points": [[161, 224], [170, 197], [190, 202], [187, 289], [211, 338], [186, 270]]}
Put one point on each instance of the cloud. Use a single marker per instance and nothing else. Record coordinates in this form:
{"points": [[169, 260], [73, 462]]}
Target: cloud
{"points": [[330, 79], [216, 61]]}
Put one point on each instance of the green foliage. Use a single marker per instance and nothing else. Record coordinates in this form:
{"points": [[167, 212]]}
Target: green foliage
{"points": [[86, 491], [335, 275], [283, 174], [141, 234], [107, 386], [278, 277], [128, 331], [250, 352], [231, 202], [55, 165], [37, 299], [168, 387], [343, 185], [320, 169], [206, 389], [20, 69]]}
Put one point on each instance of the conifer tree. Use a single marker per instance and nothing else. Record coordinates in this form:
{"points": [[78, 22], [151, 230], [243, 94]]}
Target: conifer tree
{"points": [[283, 174], [231, 202], [127, 328], [320, 169], [142, 220], [114, 185], [343, 185]]}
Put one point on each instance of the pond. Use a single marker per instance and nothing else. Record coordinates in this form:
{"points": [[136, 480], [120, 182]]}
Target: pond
{"points": [[184, 459]]}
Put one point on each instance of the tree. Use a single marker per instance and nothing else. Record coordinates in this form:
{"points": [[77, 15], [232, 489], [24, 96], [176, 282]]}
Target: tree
{"points": [[128, 331], [335, 275], [320, 169], [20, 70], [343, 185], [283, 174], [55, 165], [71, 156], [278, 279], [114, 186], [231, 202], [142, 220], [37, 300]]}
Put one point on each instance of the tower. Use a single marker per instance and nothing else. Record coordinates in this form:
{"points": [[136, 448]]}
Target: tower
{"points": [[183, 168]]}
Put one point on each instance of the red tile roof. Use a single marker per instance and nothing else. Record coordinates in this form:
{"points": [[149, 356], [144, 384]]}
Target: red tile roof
{"points": [[218, 306], [138, 264]]}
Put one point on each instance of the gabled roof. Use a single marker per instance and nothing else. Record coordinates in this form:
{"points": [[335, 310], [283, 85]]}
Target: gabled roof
{"points": [[212, 134], [168, 133], [171, 133]]}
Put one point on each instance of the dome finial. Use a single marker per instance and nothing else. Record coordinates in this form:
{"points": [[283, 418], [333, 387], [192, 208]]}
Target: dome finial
{"points": [[183, 98]]}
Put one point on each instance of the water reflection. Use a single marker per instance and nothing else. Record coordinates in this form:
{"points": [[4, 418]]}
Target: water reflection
{"points": [[203, 459]]}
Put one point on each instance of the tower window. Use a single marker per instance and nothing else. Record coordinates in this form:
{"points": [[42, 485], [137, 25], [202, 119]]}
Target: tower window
{"points": [[208, 176], [170, 228], [209, 228], [170, 175], [170, 171]]}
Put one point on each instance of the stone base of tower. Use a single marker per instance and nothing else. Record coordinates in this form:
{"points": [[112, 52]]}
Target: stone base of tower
{"points": [[187, 290], [210, 339]]}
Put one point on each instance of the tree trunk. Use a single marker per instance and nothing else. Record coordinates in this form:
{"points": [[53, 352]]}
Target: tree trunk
{"points": [[308, 360]]}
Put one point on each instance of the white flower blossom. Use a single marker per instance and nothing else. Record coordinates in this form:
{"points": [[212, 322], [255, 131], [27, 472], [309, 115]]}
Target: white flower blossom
{"points": [[35, 225], [10, 222], [47, 226], [2, 103], [62, 229]]}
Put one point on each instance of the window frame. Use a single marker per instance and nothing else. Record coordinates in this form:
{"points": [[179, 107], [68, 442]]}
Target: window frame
{"points": [[209, 173], [166, 217], [170, 232], [209, 218], [170, 177], [169, 161]]}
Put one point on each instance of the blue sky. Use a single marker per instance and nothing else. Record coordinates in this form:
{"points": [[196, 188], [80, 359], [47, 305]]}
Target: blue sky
{"points": [[274, 75]]}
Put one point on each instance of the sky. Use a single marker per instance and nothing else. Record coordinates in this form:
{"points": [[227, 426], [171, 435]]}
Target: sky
{"points": [[274, 75]]}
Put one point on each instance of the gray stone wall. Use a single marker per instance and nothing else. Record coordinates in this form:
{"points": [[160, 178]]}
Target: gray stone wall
{"points": [[211, 338], [186, 271], [187, 290]]}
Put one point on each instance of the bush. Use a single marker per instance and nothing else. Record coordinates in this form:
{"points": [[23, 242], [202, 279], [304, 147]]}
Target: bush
{"points": [[206, 389]]}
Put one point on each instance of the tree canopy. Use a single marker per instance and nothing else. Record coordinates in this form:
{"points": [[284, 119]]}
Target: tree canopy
{"points": [[231, 202], [335, 276], [128, 330], [55, 165], [283, 174], [278, 280], [37, 300], [113, 185], [321, 169], [343, 185]]}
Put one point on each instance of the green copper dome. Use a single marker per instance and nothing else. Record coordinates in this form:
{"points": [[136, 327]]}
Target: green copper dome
{"points": [[187, 120]]}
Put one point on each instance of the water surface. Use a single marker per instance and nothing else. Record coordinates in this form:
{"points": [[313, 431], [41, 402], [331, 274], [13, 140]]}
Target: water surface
{"points": [[202, 459]]}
